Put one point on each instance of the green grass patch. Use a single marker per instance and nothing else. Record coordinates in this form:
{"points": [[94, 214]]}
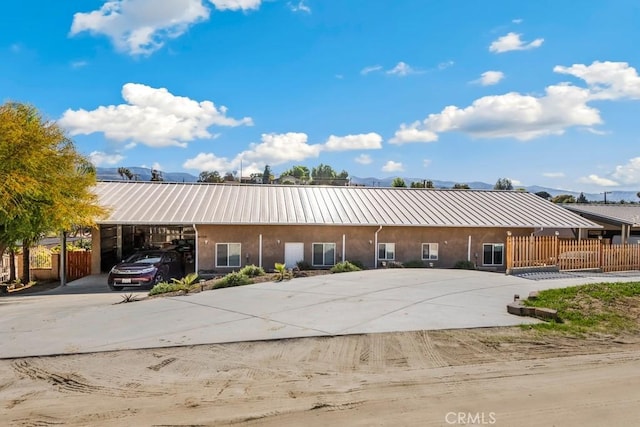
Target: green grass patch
{"points": [[231, 280], [164, 287], [344, 267], [593, 308]]}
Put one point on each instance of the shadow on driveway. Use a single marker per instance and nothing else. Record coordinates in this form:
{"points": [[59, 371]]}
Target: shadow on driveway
{"points": [[94, 284]]}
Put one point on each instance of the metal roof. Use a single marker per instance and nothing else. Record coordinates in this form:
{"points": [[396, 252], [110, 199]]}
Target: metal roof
{"points": [[132, 202], [613, 214]]}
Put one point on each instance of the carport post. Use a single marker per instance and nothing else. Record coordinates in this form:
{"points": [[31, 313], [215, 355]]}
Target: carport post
{"points": [[196, 263], [63, 259]]}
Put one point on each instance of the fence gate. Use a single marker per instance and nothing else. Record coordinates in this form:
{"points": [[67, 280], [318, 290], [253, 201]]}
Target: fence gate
{"points": [[78, 264]]}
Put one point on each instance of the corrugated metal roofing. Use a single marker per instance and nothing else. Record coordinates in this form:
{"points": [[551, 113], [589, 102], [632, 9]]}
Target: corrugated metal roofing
{"points": [[622, 214], [194, 203]]}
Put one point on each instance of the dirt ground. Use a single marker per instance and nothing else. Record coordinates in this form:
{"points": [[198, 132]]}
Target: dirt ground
{"points": [[505, 376]]}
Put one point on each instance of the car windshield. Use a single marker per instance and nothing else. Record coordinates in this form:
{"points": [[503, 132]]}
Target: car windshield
{"points": [[145, 258]]}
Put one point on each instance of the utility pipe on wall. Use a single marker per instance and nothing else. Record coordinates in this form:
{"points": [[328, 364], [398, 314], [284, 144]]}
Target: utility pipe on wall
{"points": [[344, 244], [196, 262], [375, 246], [260, 250], [469, 249]]}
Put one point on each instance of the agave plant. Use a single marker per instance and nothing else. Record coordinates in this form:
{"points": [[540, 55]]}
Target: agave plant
{"points": [[186, 282], [281, 269]]}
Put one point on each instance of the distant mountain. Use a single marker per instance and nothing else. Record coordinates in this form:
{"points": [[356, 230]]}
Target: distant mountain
{"points": [[612, 196], [144, 174]]}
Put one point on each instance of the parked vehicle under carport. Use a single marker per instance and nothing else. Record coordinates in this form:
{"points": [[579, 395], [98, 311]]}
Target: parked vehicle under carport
{"points": [[145, 269]]}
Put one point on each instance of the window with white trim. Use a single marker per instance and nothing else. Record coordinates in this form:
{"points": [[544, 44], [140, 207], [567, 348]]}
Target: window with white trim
{"points": [[386, 251], [324, 254], [429, 251], [493, 253], [228, 254]]}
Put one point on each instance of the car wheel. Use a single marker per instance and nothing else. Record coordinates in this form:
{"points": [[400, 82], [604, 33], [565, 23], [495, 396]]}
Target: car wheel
{"points": [[115, 288], [159, 278]]}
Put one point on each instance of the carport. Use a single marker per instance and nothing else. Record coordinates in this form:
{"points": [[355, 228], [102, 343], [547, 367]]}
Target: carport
{"points": [[117, 241]]}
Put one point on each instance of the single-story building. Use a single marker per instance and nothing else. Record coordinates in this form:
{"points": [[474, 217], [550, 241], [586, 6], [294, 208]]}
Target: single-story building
{"points": [[221, 227], [619, 223]]}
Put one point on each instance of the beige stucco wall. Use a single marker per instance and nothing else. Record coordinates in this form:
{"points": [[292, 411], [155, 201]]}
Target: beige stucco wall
{"points": [[359, 242], [95, 250]]}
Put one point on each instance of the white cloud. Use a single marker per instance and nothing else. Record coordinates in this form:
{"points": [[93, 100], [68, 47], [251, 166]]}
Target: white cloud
{"points": [[597, 180], [517, 21], [402, 69], [99, 158], [606, 80], [489, 78], [276, 149], [553, 174], [512, 42], [524, 117], [79, 64], [153, 117], [300, 7], [426, 163], [140, 27], [339, 76], [208, 162], [445, 65], [368, 141], [413, 133], [370, 69], [511, 115], [392, 166], [236, 4], [364, 159], [629, 173], [156, 166], [515, 182]]}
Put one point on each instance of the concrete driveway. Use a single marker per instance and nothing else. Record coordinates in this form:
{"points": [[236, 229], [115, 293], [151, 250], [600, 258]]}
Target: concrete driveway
{"points": [[85, 316]]}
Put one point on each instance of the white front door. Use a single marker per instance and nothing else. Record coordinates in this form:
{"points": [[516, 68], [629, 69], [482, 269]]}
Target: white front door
{"points": [[293, 252]]}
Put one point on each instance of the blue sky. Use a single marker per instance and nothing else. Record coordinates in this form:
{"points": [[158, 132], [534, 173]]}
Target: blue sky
{"points": [[543, 93]]}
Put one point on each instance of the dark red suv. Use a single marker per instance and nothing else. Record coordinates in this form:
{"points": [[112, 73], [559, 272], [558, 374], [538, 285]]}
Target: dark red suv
{"points": [[145, 269]]}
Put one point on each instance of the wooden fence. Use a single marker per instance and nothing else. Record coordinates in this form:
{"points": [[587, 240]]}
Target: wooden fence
{"points": [[45, 265], [564, 254], [78, 264]]}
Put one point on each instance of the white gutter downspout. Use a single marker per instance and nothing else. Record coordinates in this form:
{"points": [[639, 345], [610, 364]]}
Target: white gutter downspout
{"points": [[469, 249], [197, 264], [260, 250], [344, 244], [375, 246]]}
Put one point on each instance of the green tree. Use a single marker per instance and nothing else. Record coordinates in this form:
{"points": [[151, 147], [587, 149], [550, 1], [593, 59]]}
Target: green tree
{"points": [[543, 194], [207, 176], [326, 175], [563, 198], [427, 183], [267, 176], [503, 184], [156, 175], [45, 184], [461, 186], [398, 182], [582, 199], [125, 173], [302, 173]]}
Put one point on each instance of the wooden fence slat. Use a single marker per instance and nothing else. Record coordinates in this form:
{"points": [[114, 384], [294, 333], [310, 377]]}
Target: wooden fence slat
{"points": [[538, 251]]}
